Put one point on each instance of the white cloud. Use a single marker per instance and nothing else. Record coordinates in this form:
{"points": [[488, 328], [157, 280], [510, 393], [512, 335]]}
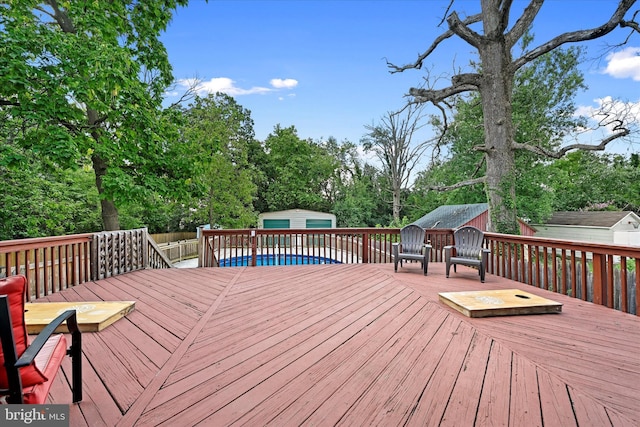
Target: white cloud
{"points": [[228, 86], [284, 83], [624, 64], [224, 85]]}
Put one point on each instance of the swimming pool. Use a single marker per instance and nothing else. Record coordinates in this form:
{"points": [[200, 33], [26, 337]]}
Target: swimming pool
{"points": [[272, 259]]}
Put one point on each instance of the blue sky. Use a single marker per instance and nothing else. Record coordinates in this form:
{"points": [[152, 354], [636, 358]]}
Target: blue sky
{"points": [[321, 65]]}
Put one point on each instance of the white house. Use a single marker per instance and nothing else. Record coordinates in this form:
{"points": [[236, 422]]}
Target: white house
{"points": [[620, 227], [296, 219]]}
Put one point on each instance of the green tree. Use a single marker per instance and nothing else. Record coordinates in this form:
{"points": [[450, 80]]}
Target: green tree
{"points": [[219, 136], [543, 113], [353, 193], [297, 172], [490, 34], [590, 181], [38, 201], [86, 80]]}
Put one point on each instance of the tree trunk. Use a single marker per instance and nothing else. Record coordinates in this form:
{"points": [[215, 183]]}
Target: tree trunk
{"points": [[496, 92], [110, 220], [396, 204]]}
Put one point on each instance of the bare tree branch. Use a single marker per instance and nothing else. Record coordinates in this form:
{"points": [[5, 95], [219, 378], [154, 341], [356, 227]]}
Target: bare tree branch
{"points": [[437, 95], [631, 24], [461, 29], [460, 184], [446, 12], [189, 94], [524, 22], [447, 34], [577, 36], [557, 154]]}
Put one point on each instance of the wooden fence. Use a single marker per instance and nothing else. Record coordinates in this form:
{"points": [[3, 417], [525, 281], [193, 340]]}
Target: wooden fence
{"points": [[55, 263], [161, 238], [181, 250]]}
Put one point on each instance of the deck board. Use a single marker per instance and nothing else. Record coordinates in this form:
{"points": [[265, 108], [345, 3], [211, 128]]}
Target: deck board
{"points": [[348, 345]]}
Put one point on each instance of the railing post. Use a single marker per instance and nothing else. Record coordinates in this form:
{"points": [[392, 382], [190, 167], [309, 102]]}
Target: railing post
{"points": [[599, 278], [365, 247], [254, 247], [145, 247], [94, 249]]}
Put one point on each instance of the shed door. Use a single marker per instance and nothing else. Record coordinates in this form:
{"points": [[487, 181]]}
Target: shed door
{"points": [[318, 223], [275, 223]]}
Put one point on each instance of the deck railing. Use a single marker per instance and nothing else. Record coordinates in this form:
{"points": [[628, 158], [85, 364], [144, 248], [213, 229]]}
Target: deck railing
{"points": [[604, 274], [180, 250], [341, 245], [55, 263], [288, 246], [600, 273]]}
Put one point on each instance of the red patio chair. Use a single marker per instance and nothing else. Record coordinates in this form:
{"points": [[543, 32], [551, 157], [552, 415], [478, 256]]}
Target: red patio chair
{"points": [[29, 369]]}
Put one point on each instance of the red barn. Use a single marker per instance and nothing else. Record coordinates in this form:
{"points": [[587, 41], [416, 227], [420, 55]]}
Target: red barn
{"points": [[456, 216]]}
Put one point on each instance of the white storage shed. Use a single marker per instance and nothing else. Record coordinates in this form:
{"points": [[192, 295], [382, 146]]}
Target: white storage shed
{"points": [[296, 219]]}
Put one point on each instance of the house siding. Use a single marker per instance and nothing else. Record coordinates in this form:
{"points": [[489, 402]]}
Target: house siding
{"points": [[575, 233], [618, 229]]}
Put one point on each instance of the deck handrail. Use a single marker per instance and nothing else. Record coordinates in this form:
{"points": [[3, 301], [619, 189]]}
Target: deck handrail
{"points": [[54, 263], [589, 271], [602, 273], [605, 274]]}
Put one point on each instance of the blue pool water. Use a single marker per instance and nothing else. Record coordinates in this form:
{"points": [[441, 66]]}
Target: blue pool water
{"points": [[277, 260]]}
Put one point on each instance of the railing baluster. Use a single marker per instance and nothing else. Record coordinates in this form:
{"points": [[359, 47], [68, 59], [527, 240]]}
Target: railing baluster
{"points": [[623, 284], [610, 287]]}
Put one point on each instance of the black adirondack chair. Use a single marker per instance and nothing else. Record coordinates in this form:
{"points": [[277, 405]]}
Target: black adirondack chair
{"points": [[467, 250], [411, 247]]}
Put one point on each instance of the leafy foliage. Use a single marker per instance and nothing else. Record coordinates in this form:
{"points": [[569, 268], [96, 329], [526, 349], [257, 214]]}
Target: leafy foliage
{"points": [[589, 181], [297, 172], [86, 79], [218, 134], [543, 113]]}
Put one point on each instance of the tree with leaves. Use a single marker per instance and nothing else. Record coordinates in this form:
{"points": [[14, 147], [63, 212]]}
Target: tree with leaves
{"points": [[493, 80], [353, 192], [297, 172], [85, 81], [392, 141], [543, 105], [219, 135], [595, 181]]}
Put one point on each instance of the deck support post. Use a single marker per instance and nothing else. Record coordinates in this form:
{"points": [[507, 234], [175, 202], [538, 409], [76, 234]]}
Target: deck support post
{"points": [[365, 248], [599, 278]]}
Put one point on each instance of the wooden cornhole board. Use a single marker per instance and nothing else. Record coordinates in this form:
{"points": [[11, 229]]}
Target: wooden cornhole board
{"points": [[504, 302], [92, 316]]}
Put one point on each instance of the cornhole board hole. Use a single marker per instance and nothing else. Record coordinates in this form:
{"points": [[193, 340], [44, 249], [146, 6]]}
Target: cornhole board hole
{"points": [[504, 302], [92, 316]]}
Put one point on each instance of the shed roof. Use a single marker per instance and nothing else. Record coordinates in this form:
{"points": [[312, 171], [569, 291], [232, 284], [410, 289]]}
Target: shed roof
{"points": [[451, 216], [589, 218], [294, 211]]}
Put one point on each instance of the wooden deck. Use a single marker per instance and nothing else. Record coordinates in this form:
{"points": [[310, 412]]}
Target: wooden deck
{"points": [[349, 345]]}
